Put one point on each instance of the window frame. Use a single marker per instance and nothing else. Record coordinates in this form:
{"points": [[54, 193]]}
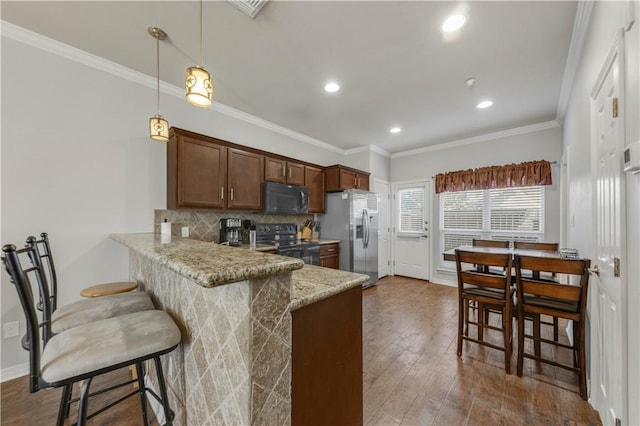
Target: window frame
{"points": [[486, 232]]}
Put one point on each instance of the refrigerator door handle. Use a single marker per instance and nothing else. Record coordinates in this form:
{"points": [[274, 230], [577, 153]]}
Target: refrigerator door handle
{"points": [[365, 223]]}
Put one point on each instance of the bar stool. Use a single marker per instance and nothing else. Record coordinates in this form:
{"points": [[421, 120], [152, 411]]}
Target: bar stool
{"points": [[82, 311], [98, 290], [92, 349]]}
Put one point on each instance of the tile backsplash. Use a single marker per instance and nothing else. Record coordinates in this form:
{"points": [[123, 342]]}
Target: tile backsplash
{"points": [[205, 224]]}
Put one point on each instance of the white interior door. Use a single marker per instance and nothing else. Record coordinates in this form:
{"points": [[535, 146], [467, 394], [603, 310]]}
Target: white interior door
{"points": [[411, 230], [381, 187], [608, 312]]}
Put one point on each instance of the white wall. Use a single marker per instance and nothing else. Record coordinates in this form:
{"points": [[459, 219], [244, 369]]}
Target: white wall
{"points": [[606, 21], [77, 162], [537, 145], [370, 160]]}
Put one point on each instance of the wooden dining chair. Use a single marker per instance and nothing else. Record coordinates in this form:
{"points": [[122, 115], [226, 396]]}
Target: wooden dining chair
{"points": [[488, 290], [549, 247], [558, 300], [86, 351]]}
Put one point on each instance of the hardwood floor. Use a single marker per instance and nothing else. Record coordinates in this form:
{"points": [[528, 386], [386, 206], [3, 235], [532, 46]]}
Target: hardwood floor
{"points": [[21, 408], [412, 375]]}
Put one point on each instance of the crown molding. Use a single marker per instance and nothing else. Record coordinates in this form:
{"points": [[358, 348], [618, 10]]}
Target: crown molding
{"points": [[380, 151], [578, 36], [58, 48], [480, 138], [371, 148]]}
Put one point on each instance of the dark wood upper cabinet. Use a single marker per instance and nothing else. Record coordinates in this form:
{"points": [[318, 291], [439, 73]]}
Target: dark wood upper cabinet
{"points": [[295, 173], [196, 173], [275, 170], [339, 178], [209, 173], [283, 171], [314, 181], [244, 179]]}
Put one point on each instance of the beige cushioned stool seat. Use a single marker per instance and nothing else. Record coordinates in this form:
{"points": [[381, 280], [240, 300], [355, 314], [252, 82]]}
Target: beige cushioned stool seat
{"points": [[90, 310], [91, 347]]}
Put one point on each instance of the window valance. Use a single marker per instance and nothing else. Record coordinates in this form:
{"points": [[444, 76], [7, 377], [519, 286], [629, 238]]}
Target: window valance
{"points": [[511, 175]]}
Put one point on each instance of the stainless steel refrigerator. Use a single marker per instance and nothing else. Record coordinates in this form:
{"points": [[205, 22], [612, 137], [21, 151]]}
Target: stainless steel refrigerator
{"points": [[352, 217]]}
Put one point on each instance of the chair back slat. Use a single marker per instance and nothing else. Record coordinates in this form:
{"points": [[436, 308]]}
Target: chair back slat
{"points": [[526, 245], [483, 279], [480, 278], [564, 292], [20, 279], [487, 259], [489, 243], [554, 265]]}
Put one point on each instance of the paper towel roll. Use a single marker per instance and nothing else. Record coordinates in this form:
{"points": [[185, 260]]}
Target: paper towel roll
{"points": [[165, 228]]}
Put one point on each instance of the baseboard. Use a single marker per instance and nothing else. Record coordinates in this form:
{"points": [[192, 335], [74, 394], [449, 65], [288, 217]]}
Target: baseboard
{"points": [[14, 372]]}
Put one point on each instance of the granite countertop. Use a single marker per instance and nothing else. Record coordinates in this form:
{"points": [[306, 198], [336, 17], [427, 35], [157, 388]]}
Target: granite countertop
{"points": [[259, 247], [208, 264], [322, 242], [314, 283]]}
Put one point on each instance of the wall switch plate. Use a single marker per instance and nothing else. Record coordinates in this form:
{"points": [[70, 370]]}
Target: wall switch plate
{"points": [[185, 231], [11, 329]]}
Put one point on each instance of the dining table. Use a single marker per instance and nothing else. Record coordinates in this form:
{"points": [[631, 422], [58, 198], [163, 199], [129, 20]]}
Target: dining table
{"points": [[450, 255]]}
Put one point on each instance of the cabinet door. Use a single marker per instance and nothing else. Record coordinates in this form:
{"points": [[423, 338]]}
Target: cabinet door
{"points": [[201, 169], [314, 181], [332, 262], [362, 181], [275, 170], [295, 173], [244, 179], [348, 179]]}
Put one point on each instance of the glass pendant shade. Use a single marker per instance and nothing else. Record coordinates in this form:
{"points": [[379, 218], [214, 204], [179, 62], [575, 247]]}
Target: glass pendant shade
{"points": [[199, 86], [159, 128]]}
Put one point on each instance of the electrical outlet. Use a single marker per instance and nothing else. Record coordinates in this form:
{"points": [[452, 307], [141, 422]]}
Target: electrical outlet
{"points": [[11, 329], [185, 231]]}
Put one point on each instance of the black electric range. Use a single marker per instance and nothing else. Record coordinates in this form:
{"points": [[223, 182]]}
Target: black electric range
{"points": [[283, 236]]}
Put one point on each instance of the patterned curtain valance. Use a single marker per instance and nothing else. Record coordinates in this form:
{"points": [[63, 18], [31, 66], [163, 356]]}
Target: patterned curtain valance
{"points": [[524, 174]]}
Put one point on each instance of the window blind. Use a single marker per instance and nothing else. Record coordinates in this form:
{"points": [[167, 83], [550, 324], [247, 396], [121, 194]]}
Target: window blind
{"points": [[500, 214], [411, 210]]}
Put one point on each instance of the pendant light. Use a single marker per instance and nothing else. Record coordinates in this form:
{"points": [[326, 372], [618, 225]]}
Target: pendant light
{"points": [[158, 126], [199, 83]]}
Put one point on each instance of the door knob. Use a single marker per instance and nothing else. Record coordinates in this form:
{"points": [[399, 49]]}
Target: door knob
{"points": [[595, 270]]}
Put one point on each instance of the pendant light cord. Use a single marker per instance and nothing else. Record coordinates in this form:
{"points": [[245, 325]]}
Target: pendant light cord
{"points": [[201, 60], [158, 73]]}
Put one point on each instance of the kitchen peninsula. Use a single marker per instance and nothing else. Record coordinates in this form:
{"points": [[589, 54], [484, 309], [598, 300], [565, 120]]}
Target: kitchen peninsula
{"points": [[261, 334]]}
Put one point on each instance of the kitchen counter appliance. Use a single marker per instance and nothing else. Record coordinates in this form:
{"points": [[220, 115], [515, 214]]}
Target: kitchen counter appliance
{"points": [[230, 231], [283, 236], [352, 217]]}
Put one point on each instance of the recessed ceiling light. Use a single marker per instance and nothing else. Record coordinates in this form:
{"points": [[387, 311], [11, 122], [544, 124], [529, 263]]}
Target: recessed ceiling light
{"points": [[395, 130], [453, 23], [332, 87], [484, 104]]}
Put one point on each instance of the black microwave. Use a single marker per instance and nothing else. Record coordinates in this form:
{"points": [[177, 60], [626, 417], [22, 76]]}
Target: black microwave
{"points": [[285, 199]]}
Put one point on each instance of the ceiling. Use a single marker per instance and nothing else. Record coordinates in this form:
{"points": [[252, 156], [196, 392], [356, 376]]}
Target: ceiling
{"points": [[393, 64]]}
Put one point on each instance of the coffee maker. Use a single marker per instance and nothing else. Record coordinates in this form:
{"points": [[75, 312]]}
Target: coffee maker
{"points": [[230, 231]]}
